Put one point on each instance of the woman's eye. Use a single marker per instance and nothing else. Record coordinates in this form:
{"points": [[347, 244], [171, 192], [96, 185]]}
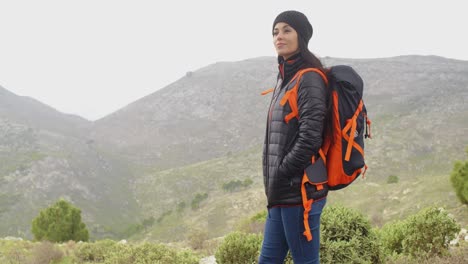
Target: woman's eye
{"points": [[275, 33]]}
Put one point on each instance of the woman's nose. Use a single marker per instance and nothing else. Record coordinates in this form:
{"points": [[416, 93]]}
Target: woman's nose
{"points": [[279, 35]]}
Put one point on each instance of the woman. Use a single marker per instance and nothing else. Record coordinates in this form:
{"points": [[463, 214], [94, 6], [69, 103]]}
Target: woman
{"points": [[289, 146]]}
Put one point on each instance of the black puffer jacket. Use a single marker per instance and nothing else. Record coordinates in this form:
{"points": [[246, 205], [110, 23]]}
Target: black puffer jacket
{"points": [[288, 147]]}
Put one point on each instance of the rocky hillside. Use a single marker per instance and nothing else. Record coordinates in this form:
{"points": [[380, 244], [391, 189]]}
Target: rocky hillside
{"points": [[45, 155], [205, 114]]}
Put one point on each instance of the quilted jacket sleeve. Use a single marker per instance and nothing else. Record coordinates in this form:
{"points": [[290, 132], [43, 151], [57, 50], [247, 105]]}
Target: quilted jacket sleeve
{"points": [[311, 104]]}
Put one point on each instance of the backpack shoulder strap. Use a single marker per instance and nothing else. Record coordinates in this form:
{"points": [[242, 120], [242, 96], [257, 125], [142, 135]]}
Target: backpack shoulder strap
{"points": [[291, 95]]}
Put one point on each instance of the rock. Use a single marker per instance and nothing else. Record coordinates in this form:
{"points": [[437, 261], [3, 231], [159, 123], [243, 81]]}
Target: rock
{"points": [[123, 241], [208, 260], [454, 242]]}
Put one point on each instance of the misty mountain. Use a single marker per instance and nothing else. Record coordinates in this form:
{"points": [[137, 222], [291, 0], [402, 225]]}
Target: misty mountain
{"points": [[45, 155], [29, 111]]}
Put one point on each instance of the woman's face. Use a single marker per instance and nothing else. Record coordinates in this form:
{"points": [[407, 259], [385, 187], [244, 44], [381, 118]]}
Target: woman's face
{"points": [[285, 40]]}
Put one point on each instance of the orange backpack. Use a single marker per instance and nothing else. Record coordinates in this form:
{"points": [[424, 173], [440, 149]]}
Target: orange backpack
{"points": [[341, 158]]}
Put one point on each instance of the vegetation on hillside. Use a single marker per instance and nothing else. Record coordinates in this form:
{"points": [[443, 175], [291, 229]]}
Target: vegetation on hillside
{"points": [[347, 237], [99, 252], [222, 211]]}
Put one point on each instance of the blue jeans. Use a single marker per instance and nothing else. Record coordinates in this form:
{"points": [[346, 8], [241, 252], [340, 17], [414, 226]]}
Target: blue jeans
{"points": [[283, 231]]}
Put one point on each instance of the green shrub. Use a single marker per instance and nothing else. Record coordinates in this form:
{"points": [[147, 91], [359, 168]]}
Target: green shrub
{"points": [[247, 182], [459, 179], [232, 186], [426, 233], [347, 237], [149, 253], [96, 251], [14, 252], [238, 248], [392, 179], [199, 197], [392, 236], [235, 185]]}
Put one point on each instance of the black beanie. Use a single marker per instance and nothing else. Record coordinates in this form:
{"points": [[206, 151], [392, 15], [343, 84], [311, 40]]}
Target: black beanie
{"points": [[298, 21]]}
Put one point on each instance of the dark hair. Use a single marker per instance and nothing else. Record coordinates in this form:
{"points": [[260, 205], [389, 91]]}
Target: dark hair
{"points": [[312, 61]]}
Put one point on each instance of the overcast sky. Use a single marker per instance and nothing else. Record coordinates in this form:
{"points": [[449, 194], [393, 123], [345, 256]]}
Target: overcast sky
{"points": [[92, 57]]}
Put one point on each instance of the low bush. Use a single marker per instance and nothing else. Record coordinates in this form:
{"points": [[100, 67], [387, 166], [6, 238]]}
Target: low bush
{"points": [[424, 234], [14, 256], [199, 197], [150, 253], [392, 179], [95, 252], [235, 185], [238, 248], [347, 237]]}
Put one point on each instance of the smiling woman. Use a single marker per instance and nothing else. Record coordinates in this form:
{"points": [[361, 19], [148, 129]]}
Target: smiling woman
{"points": [[285, 40]]}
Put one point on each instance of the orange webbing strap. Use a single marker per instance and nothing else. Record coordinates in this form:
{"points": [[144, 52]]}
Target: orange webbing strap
{"points": [[291, 95], [351, 125], [307, 207], [364, 172], [355, 145], [322, 155], [307, 204], [268, 91]]}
